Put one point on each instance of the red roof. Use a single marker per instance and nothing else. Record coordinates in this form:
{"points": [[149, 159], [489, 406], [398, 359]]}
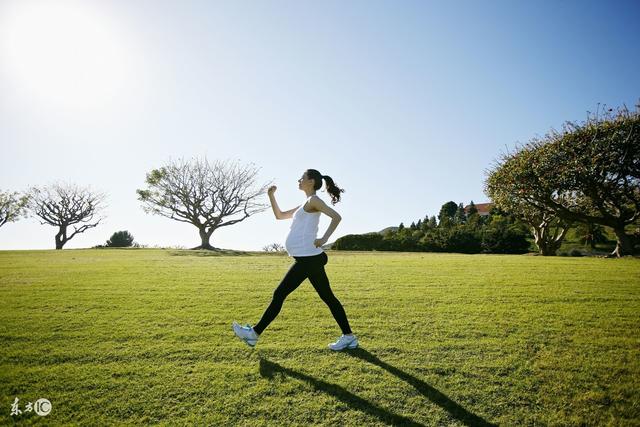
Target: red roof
{"points": [[482, 208]]}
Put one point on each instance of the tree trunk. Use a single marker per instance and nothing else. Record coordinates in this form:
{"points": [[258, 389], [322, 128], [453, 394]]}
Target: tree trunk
{"points": [[538, 238], [61, 237], [547, 248], [624, 245], [548, 244], [204, 237]]}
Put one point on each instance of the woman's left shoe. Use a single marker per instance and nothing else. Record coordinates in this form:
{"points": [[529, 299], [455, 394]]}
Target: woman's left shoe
{"points": [[246, 334], [345, 341]]}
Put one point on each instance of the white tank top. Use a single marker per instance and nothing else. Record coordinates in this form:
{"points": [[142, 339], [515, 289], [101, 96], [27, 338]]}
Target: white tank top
{"points": [[303, 232]]}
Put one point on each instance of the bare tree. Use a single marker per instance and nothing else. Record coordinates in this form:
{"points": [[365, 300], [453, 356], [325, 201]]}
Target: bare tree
{"points": [[65, 205], [12, 206], [209, 196], [273, 247]]}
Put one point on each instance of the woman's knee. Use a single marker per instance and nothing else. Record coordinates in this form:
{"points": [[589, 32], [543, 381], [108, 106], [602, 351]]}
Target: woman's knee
{"points": [[329, 298]]}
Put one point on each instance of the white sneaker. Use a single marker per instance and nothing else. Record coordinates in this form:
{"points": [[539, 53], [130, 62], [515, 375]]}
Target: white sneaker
{"points": [[246, 334], [343, 342]]}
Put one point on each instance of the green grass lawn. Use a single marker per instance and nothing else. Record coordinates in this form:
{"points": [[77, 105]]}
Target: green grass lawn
{"points": [[144, 337]]}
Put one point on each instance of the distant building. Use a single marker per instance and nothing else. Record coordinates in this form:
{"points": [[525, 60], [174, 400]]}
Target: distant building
{"points": [[483, 209]]}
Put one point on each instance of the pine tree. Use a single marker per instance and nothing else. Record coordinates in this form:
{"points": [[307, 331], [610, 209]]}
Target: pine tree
{"points": [[472, 209], [460, 217]]}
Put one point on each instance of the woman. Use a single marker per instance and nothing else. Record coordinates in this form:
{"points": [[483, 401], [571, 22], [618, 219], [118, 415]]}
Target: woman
{"points": [[309, 257]]}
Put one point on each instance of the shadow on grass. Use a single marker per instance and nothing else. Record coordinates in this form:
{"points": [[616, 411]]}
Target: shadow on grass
{"points": [[269, 369], [431, 393]]}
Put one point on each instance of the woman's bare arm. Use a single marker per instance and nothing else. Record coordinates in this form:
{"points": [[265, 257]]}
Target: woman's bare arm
{"points": [[319, 204], [288, 214], [274, 205]]}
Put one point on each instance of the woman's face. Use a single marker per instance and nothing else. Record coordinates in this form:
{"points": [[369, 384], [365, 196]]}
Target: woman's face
{"points": [[305, 183]]}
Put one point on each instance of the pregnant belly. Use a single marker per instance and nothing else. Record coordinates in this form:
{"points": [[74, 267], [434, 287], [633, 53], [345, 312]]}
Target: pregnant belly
{"points": [[297, 241]]}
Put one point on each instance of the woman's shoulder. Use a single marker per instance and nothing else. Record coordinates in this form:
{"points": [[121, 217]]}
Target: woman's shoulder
{"points": [[315, 203], [315, 200]]}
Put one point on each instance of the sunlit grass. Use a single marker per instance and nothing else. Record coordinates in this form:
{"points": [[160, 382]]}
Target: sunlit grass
{"points": [[144, 336]]}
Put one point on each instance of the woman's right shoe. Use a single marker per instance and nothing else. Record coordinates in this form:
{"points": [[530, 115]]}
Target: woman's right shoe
{"points": [[343, 342], [246, 334]]}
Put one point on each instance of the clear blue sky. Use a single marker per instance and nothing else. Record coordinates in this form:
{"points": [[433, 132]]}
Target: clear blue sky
{"points": [[405, 104]]}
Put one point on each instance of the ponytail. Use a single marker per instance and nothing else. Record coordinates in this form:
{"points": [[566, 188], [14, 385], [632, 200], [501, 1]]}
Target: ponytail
{"points": [[333, 190]]}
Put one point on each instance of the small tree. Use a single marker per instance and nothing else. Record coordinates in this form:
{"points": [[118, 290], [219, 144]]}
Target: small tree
{"points": [[12, 206], [65, 205], [208, 196], [120, 239], [274, 247]]}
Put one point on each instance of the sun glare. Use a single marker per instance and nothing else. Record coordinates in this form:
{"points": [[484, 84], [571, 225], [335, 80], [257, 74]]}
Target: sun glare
{"points": [[62, 54]]}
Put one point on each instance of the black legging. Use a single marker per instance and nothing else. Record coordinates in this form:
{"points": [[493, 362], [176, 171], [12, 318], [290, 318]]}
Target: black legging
{"points": [[311, 267]]}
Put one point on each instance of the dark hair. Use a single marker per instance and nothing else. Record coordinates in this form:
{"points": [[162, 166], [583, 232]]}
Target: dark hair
{"points": [[332, 188]]}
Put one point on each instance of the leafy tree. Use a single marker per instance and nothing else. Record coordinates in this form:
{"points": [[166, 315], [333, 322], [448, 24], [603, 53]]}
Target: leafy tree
{"points": [[504, 185], [599, 162], [447, 214], [12, 206], [208, 196], [65, 205], [587, 172], [120, 239], [460, 216]]}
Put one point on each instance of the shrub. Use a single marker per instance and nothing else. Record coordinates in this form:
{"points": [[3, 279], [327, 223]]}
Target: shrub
{"points": [[503, 239], [575, 252], [120, 239], [358, 242]]}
